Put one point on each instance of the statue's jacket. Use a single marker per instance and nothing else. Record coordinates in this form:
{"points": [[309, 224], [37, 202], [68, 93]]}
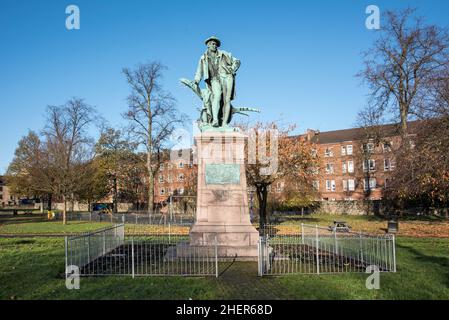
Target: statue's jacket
{"points": [[228, 66]]}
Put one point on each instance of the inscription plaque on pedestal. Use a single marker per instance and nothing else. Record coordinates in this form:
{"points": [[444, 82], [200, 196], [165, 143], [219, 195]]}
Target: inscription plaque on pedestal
{"points": [[222, 174]]}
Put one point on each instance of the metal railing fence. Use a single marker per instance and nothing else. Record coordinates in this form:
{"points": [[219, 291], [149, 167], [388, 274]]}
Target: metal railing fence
{"points": [[151, 250], [318, 250], [83, 249]]}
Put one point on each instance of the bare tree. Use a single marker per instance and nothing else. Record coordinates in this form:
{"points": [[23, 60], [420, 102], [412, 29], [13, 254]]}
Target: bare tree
{"points": [[152, 114], [68, 147], [57, 162], [402, 63]]}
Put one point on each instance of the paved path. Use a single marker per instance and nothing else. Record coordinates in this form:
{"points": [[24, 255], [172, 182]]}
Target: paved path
{"points": [[240, 281]]}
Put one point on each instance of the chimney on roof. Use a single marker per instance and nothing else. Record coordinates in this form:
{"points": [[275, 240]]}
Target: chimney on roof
{"points": [[310, 133]]}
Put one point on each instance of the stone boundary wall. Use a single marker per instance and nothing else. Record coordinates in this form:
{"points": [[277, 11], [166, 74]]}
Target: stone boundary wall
{"points": [[350, 207], [84, 207]]}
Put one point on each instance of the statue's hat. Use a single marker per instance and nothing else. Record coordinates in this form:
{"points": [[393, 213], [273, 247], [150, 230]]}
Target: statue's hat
{"points": [[213, 38]]}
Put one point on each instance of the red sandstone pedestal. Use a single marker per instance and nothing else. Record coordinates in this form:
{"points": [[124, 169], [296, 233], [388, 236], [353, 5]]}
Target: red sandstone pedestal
{"points": [[222, 199]]}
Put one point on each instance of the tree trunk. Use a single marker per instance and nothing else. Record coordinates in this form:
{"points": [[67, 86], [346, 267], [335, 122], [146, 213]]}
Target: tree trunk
{"points": [[49, 202], [114, 205], [403, 120], [64, 212], [150, 185], [261, 192]]}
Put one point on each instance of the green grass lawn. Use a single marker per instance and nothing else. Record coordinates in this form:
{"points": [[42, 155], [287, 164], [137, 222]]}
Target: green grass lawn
{"points": [[408, 226], [51, 227], [33, 268]]}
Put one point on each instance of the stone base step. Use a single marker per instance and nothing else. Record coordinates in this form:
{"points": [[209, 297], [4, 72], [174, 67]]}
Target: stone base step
{"points": [[207, 252]]}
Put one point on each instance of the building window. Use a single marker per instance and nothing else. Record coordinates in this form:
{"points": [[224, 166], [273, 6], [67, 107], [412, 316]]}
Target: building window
{"points": [[386, 164], [161, 178], [316, 184], [330, 185], [329, 168], [161, 167], [349, 149], [351, 185], [344, 168], [181, 177], [387, 183], [328, 152], [371, 182], [343, 150], [351, 166], [368, 147], [162, 192], [169, 166], [386, 146], [314, 153], [371, 164], [181, 165], [181, 190]]}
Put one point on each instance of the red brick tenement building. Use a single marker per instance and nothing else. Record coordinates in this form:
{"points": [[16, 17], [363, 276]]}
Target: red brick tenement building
{"points": [[354, 167], [174, 178]]}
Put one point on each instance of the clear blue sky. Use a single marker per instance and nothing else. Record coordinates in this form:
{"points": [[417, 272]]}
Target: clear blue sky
{"points": [[298, 58]]}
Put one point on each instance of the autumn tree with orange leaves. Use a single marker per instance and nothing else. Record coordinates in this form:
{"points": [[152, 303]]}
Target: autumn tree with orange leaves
{"points": [[295, 162]]}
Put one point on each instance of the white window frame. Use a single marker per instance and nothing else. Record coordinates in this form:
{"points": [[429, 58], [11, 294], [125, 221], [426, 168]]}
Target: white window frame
{"points": [[161, 178], [350, 167], [369, 147], [345, 185], [370, 181], [343, 150], [330, 185], [344, 167], [349, 147], [351, 185], [367, 164], [329, 168], [181, 165], [316, 184], [328, 152], [387, 167], [365, 184], [371, 184]]}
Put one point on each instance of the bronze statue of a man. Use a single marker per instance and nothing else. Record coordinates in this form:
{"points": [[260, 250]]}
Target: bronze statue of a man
{"points": [[218, 69]]}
